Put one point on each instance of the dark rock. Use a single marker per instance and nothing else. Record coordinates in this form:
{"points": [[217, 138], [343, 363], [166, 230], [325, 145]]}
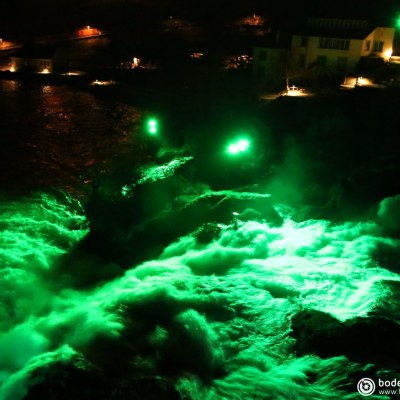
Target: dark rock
{"points": [[368, 340]]}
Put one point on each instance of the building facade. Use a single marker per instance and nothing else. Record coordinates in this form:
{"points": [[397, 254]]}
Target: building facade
{"points": [[338, 44], [325, 46], [272, 58], [39, 59]]}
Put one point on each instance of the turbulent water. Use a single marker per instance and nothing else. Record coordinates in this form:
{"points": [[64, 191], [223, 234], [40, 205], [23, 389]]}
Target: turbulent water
{"points": [[244, 301]]}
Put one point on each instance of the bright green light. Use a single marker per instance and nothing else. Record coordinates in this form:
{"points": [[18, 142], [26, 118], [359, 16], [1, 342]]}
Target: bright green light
{"points": [[152, 126], [233, 148], [239, 146], [243, 144]]}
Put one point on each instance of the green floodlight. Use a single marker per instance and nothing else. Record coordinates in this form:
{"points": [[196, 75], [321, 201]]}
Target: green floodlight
{"points": [[233, 148], [152, 126], [243, 144], [239, 146]]}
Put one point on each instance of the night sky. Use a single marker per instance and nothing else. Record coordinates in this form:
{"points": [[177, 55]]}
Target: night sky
{"points": [[41, 17]]}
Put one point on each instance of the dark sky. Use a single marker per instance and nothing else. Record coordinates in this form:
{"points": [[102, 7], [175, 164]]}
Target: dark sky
{"points": [[40, 16], [287, 7]]}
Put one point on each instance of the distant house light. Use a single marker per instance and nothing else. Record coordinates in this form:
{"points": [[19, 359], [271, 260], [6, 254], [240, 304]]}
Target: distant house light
{"points": [[295, 91], [72, 73], [135, 62], [45, 71], [12, 69], [88, 31], [254, 20], [361, 81], [103, 83], [196, 55]]}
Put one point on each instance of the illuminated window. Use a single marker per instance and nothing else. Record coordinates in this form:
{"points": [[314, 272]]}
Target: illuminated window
{"points": [[367, 45]]}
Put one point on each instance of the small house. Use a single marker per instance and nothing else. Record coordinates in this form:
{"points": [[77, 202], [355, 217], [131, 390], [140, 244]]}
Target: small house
{"points": [[87, 32], [39, 59]]}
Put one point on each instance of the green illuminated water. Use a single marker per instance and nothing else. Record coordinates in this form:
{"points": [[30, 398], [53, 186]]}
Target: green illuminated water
{"points": [[241, 297], [212, 318]]}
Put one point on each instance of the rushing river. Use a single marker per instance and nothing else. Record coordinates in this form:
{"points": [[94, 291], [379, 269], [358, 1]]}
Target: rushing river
{"points": [[125, 276]]}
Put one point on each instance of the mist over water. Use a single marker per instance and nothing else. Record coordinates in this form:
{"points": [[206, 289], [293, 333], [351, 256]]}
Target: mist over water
{"points": [[126, 273]]}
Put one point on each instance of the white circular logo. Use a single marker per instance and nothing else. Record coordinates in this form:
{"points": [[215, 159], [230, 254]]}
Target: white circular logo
{"points": [[366, 386]]}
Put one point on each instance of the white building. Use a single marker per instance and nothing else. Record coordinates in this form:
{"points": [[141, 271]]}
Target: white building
{"points": [[338, 44], [333, 46]]}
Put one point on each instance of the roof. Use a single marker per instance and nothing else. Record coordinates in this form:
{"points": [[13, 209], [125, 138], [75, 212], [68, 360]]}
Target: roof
{"points": [[35, 51], [338, 33], [336, 28]]}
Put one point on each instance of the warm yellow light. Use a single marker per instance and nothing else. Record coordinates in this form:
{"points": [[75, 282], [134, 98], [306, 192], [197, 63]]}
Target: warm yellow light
{"points": [[196, 55], [12, 69], [388, 53], [45, 71], [294, 91], [361, 81], [297, 91], [88, 27], [102, 83], [136, 62]]}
